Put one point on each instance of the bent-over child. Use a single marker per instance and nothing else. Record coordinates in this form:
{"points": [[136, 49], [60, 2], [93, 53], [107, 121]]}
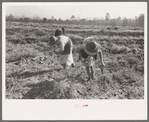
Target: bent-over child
{"points": [[89, 52]]}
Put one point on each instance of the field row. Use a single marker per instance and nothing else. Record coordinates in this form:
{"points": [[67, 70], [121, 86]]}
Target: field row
{"points": [[34, 37], [49, 29], [73, 26]]}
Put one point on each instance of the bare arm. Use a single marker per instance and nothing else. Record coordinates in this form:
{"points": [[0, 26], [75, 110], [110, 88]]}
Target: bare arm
{"points": [[59, 52], [80, 55], [101, 57]]}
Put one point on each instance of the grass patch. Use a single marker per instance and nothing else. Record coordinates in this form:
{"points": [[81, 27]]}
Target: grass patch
{"points": [[76, 39], [20, 51], [116, 49]]}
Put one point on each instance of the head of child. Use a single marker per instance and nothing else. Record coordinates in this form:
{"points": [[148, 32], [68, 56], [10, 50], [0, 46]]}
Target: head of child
{"points": [[58, 32]]}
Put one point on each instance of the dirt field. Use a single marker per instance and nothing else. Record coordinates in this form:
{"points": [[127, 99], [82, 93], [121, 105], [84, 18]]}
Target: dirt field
{"points": [[30, 73]]}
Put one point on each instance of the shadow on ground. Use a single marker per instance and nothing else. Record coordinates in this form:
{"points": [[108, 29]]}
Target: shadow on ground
{"points": [[39, 89], [31, 74], [55, 89]]}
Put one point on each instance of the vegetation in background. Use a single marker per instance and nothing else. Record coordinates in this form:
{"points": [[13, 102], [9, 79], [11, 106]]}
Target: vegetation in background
{"points": [[138, 21]]}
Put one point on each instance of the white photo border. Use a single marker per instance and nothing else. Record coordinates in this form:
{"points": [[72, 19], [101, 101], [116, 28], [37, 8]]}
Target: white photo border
{"points": [[64, 109]]}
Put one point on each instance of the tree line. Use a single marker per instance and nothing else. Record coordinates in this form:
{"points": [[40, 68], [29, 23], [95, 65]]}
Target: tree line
{"points": [[138, 21]]}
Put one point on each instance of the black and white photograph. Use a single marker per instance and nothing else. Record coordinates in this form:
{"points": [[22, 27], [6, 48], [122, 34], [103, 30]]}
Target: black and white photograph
{"points": [[75, 51]]}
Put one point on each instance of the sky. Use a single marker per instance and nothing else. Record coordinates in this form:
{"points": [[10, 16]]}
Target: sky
{"points": [[65, 10]]}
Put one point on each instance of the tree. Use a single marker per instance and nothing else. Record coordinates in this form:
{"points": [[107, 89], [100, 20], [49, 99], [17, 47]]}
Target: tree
{"points": [[125, 22], [52, 18], [44, 20], [26, 19], [20, 19], [83, 21], [119, 21], [113, 22], [60, 20], [141, 20], [107, 18], [72, 17], [37, 18], [49, 20], [119, 18], [10, 17]]}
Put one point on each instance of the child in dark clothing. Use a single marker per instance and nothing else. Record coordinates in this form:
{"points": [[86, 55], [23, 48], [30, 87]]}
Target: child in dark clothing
{"points": [[88, 53]]}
